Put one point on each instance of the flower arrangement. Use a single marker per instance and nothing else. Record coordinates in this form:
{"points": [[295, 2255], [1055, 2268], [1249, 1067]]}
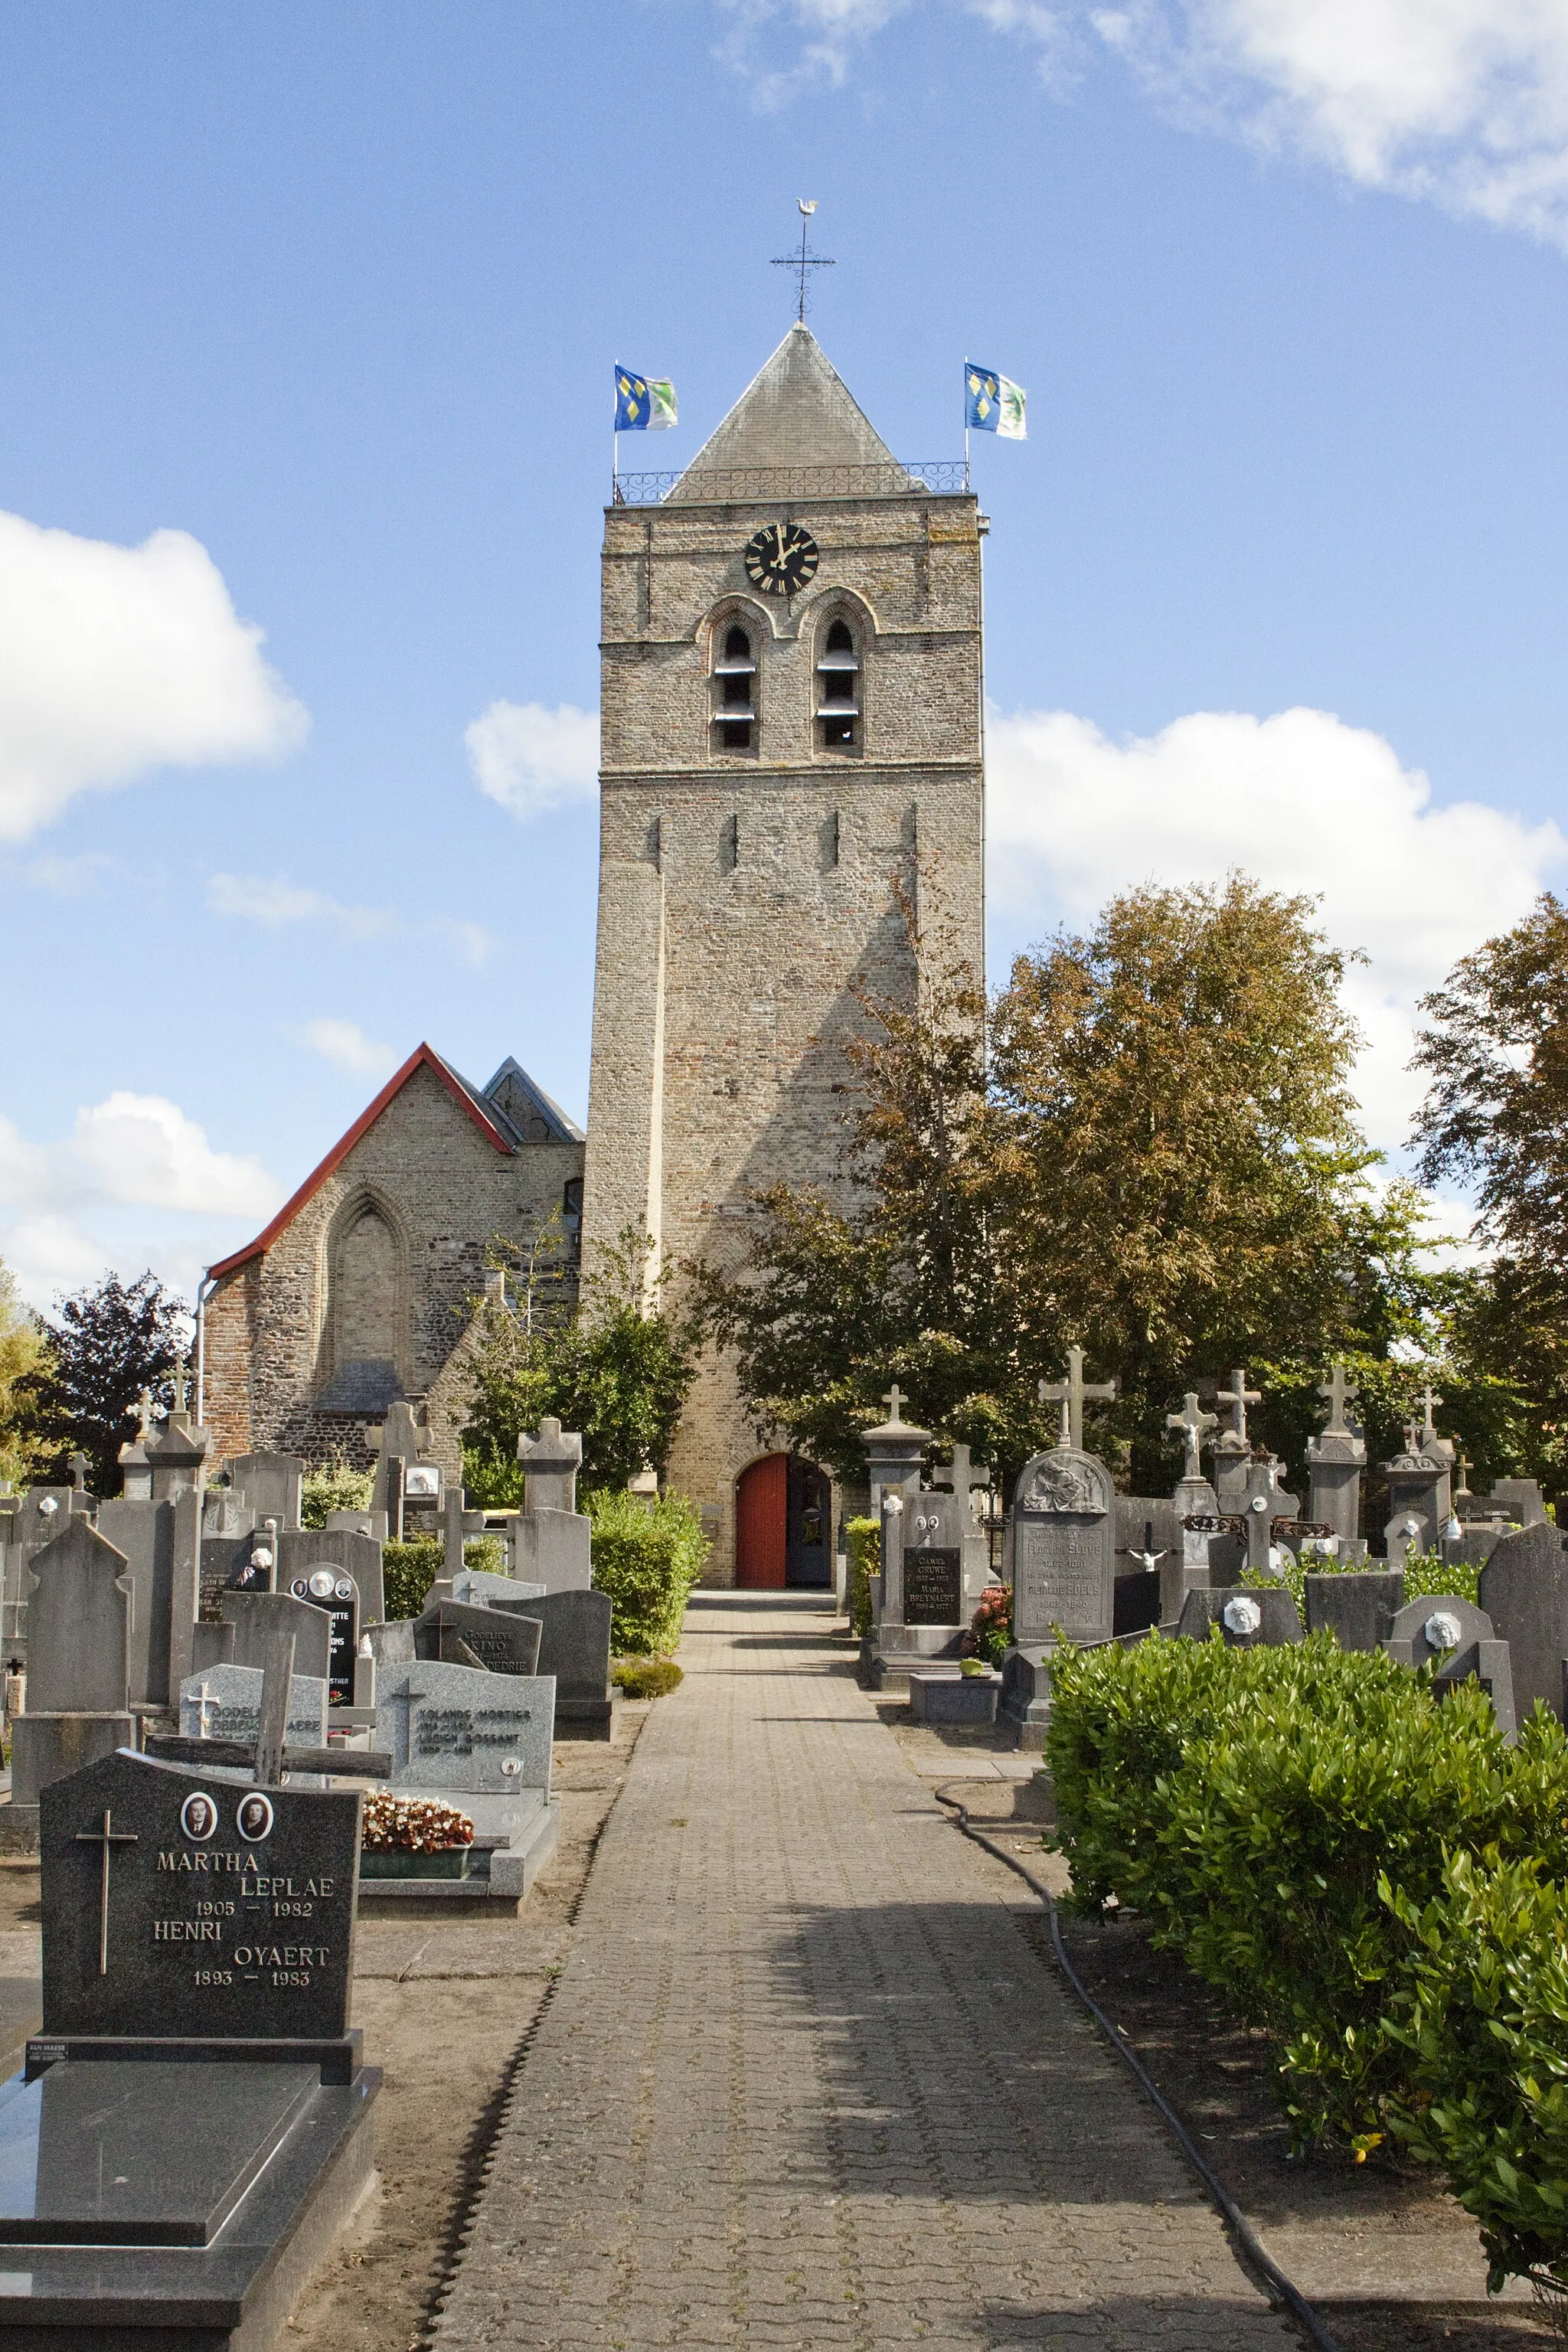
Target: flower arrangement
{"points": [[414, 1825], [990, 1634]]}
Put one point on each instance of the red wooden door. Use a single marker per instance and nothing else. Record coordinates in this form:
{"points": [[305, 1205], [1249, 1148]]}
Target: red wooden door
{"points": [[761, 1518]]}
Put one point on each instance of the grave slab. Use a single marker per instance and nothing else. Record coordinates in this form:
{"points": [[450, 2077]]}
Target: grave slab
{"points": [[574, 1647], [1265, 1618], [955, 1698], [1357, 1608]]}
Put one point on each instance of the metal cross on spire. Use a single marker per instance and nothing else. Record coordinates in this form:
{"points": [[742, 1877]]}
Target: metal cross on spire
{"points": [[804, 259]]}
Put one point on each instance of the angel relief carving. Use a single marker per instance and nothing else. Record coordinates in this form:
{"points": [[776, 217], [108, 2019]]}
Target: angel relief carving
{"points": [[1061, 1483]]}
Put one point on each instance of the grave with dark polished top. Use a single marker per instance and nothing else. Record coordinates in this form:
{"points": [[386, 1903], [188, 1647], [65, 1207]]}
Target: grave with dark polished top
{"points": [[501, 1640], [193, 2127], [176, 1904]]}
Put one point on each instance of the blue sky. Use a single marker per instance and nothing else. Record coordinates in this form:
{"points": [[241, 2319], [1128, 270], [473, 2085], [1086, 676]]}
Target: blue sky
{"points": [[332, 294]]}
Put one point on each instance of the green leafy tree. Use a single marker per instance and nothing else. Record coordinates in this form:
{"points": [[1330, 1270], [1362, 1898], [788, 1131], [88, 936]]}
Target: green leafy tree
{"points": [[1146, 1144], [22, 1358], [105, 1343], [616, 1367]]}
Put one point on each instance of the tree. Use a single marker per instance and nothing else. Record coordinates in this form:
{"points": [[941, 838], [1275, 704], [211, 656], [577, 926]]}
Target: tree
{"points": [[1147, 1146], [106, 1344], [1495, 1119], [21, 1356], [618, 1367]]}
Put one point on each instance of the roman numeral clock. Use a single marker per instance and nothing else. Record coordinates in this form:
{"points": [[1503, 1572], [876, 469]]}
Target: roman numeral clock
{"points": [[781, 558]]}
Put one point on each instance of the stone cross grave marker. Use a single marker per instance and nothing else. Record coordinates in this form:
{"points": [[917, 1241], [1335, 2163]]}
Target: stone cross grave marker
{"points": [[1233, 1447], [1194, 1425], [1072, 1391], [225, 1703], [1263, 1501], [1335, 1460]]}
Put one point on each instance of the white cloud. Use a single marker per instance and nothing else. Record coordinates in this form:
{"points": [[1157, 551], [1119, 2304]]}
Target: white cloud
{"points": [[275, 904], [114, 660], [1461, 101], [1300, 801], [142, 1148], [346, 1046], [530, 757]]}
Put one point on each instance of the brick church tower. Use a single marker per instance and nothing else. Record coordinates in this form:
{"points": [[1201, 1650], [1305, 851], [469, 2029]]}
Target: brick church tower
{"points": [[791, 689]]}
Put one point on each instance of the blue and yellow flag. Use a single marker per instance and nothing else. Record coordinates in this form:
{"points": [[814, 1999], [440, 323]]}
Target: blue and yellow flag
{"points": [[643, 404], [994, 403]]}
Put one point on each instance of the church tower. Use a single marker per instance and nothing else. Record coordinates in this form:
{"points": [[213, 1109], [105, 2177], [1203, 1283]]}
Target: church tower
{"points": [[790, 741]]}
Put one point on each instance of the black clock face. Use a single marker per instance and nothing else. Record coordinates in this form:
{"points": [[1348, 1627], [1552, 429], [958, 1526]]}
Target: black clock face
{"points": [[781, 558]]}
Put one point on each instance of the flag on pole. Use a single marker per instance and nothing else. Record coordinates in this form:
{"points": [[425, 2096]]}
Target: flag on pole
{"points": [[643, 404], [994, 403]]}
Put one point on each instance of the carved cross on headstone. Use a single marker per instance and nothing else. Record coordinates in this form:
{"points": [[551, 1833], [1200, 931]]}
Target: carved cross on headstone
{"points": [[1428, 1400], [79, 1473], [1339, 1391], [1462, 1467], [1238, 1396], [179, 1377], [1194, 1425], [1413, 1437], [108, 1837], [1072, 1391]]}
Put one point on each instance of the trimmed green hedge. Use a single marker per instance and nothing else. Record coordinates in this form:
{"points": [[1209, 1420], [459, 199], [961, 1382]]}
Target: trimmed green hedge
{"points": [[646, 1558], [1270, 1811], [409, 1569], [863, 1542]]}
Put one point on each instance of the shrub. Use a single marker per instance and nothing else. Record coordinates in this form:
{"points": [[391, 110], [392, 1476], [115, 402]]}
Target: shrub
{"points": [[647, 1677], [1424, 1571], [407, 1573], [646, 1559], [1251, 1801], [333, 1487], [863, 1541], [1486, 2037]]}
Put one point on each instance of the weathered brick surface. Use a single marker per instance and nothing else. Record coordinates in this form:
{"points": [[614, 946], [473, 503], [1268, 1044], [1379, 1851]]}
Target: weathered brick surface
{"points": [[749, 900], [438, 1192], [806, 2082]]}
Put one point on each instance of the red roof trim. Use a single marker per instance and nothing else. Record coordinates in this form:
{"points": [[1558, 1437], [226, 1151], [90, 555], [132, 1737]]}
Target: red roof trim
{"points": [[422, 1057]]}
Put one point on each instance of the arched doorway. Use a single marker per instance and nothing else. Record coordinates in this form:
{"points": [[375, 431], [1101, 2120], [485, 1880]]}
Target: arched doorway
{"points": [[784, 1525]]}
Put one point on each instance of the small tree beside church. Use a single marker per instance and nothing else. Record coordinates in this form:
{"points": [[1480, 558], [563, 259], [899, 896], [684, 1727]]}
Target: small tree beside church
{"points": [[616, 1367]]}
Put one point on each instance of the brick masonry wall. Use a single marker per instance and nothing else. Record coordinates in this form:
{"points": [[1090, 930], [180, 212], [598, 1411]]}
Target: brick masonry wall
{"points": [[748, 900], [444, 1192]]}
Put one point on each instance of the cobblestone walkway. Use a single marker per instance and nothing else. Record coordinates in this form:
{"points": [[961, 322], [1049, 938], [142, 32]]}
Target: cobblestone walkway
{"points": [[804, 2081]]}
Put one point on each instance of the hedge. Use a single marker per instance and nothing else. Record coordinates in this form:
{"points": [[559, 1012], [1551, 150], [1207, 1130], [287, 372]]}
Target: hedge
{"points": [[646, 1558], [1283, 1816], [409, 1569], [863, 1542]]}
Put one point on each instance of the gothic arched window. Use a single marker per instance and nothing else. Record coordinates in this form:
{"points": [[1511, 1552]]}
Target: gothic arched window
{"points": [[734, 690], [839, 711]]}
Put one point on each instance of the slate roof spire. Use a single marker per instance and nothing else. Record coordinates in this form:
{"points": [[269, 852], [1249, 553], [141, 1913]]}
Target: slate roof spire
{"points": [[796, 412]]}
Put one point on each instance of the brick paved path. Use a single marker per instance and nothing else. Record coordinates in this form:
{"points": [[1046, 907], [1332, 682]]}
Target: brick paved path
{"points": [[804, 2081]]}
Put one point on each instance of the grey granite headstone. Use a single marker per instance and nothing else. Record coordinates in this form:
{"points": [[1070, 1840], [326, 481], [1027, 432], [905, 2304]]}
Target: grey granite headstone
{"points": [[1459, 1620], [1062, 1537], [455, 1727], [78, 1626], [1522, 1499], [1523, 1588], [1250, 1617], [1356, 1607], [501, 1640], [551, 1461], [270, 1484], [554, 1549], [145, 1532], [225, 1703], [483, 1590], [175, 1904], [252, 1614], [1487, 1662], [576, 1648]]}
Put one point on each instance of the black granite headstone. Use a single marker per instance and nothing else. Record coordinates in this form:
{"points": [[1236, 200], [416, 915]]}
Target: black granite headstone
{"points": [[498, 1639], [178, 1905], [334, 1590], [933, 1586]]}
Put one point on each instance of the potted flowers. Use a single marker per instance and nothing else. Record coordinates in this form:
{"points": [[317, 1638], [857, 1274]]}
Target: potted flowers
{"points": [[414, 1837]]}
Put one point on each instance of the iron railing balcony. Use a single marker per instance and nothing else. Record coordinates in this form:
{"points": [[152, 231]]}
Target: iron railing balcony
{"points": [[768, 485]]}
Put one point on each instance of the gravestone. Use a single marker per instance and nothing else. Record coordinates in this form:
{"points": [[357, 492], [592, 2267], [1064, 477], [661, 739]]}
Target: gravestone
{"points": [[1523, 1588], [575, 1648], [459, 1728], [1335, 1460], [552, 1540], [332, 1589], [1261, 1617], [1357, 1607], [1456, 1623], [1061, 1552], [78, 1634], [1521, 1498], [1419, 1495], [895, 1449], [483, 1590], [145, 1532], [177, 1455], [270, 1485], [500, 1641], [256, 1615], [135, 1470], [225, 1703], [1232, 1450], [1188, 1561], [933, 1534], [302, 1551], [396, 1445], [181, 2185]]}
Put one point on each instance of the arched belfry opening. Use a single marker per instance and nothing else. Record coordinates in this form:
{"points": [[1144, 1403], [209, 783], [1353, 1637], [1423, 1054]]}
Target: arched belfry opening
{"points": [[784, 1525]]}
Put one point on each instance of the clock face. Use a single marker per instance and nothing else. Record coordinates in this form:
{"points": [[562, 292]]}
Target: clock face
{"points": [[781, 558]]}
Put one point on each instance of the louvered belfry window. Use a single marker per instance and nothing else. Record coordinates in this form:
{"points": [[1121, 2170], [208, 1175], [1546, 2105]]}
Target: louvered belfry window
{"points": [[735, 692], [838, 689]]}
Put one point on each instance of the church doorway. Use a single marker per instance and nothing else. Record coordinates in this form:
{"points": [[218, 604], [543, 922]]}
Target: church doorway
{"points": [[783, 1526]]}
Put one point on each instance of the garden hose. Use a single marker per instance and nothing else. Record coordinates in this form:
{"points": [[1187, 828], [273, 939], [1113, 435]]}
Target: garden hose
{"points": [[1266, 2271]]}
